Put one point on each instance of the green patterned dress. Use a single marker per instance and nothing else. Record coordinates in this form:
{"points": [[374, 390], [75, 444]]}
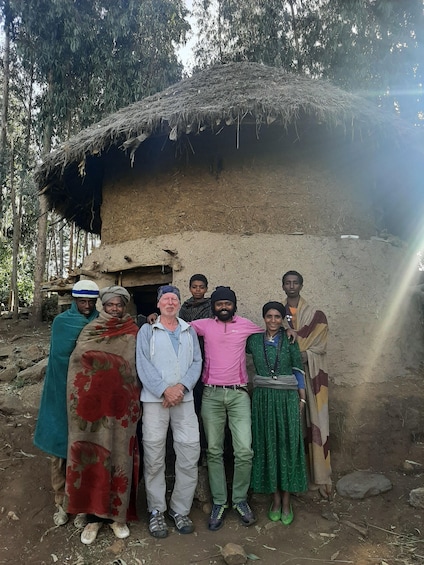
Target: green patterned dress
{"points": [[279, 457]]}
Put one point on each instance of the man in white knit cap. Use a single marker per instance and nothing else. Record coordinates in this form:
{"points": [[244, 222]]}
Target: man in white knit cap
{"points": [[51, 433]]}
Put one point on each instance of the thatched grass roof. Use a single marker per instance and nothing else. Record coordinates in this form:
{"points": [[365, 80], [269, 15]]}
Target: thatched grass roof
{"points": [[226, 95]]}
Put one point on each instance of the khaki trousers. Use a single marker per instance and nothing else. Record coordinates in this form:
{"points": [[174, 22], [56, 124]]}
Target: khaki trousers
{"points": [[58, 477], [185, 431]]}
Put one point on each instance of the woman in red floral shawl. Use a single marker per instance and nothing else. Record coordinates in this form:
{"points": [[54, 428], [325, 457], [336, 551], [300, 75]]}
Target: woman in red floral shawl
{"points": [[103, 411]]}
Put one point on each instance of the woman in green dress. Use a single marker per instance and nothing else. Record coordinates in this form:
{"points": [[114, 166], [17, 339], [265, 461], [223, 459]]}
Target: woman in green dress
{"points": [[278, 400]]}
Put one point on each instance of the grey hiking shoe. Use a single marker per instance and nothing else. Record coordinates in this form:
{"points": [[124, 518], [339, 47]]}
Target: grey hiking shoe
{"points": [[157, 525], [183, 523]]}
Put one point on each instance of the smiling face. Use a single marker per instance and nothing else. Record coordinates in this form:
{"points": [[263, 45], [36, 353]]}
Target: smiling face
{"points": [[86, 306], [114, 307], [168, 304], [292, 286], [273, 320], [223, 310]]}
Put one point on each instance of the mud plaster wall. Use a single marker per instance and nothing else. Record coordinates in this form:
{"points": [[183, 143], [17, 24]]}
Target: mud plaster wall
{"points": [[255, 191], [354, 281]]}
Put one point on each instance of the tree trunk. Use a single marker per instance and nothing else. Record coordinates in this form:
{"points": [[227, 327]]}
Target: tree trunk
{"points": [[296, 36], [40, 260], [85, 248], [5, 101], [17, 209], [77, 248], [61, 246], [71, 249], [14, 294]]}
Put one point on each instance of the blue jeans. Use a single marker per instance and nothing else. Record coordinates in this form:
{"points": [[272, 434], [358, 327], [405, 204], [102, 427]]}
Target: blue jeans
{"points": [[217, 404]]}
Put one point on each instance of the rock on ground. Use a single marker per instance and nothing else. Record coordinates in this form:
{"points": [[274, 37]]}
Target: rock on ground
{"points": [[416, 497], [233, 554], [361, 484]]}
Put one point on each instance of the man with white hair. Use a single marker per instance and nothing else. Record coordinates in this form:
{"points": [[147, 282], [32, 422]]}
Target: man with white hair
{"points": [[51, 433], [169, 363]]}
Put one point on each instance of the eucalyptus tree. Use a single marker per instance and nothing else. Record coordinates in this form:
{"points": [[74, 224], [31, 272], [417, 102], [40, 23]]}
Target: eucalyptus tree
{"points": [[376, 47], [91, 57], [372, 46], [109, 55], [7, 20], [94, 56], [264, 31], [20, 210]]}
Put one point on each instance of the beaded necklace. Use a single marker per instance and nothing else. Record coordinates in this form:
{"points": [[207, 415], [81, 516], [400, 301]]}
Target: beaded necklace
{"points": [[272, 370]]}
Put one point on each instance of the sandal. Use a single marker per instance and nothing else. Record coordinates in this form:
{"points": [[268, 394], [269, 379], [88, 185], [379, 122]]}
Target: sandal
{"points": [[183, 523], [274, 515], [90, 532], [326, 492], [80, 521], [157, 525], [121, 531], [287, 519], [60, 517]]}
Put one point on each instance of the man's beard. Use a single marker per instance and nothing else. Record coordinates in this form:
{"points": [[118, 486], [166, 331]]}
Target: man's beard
{"points": [[224, 315]]}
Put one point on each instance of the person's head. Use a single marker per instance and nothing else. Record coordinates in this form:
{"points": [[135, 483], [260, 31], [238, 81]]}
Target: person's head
{"points": [[292, 284], [114, 299], [169, 300], [273, 314], [223, 303], [198, 286], [85, 294]]}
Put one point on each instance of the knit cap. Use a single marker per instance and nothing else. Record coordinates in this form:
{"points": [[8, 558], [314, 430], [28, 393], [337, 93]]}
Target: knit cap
{"points": [[273, 305], [85, 289], [168, 288], [223, 293]]}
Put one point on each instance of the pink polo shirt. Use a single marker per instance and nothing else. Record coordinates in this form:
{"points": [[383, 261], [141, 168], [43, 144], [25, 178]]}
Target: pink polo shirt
{"points": [[225, 343]]}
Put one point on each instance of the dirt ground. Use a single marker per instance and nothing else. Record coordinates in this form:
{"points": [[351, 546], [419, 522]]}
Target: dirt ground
{"points": [[373, 426]]}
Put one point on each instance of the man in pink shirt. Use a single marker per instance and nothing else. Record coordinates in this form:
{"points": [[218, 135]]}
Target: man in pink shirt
{"points": [[226, 395]]}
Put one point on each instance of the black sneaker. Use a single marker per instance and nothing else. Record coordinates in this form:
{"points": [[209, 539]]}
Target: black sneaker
{"points": [[183, 523], [245, 513], [216, 519]]}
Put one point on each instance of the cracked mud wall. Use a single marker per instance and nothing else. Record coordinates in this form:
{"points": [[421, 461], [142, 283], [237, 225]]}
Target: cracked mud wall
{"points": [[355, 282]]}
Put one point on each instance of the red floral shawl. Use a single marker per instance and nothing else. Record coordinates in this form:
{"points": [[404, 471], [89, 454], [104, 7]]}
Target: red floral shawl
{"points": [[103, 410]]}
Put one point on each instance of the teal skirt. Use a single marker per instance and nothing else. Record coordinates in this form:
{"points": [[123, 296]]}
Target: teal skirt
{"points": [[279, 456]]}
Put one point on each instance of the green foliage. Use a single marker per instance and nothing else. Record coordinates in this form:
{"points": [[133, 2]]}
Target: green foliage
{"points": [[26, 278], [25, 274], [50, 308], [92, 57], [375, 47], [5, 269], [88, 58]]}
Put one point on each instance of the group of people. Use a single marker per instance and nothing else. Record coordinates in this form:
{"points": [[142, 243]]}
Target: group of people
{"points": [[90, 406], [89, 412]]}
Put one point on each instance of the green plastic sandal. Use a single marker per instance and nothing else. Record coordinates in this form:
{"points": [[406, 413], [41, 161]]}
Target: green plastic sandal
{"points": [[287, 519], [274, 515]]}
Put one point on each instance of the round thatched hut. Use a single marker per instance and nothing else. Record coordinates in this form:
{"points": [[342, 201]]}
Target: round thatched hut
{"points": [[243, 172]]}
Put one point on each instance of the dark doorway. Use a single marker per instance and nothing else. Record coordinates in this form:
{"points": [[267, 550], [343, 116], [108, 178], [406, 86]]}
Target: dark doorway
{"points": [[145, 298], [143, 283]]}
